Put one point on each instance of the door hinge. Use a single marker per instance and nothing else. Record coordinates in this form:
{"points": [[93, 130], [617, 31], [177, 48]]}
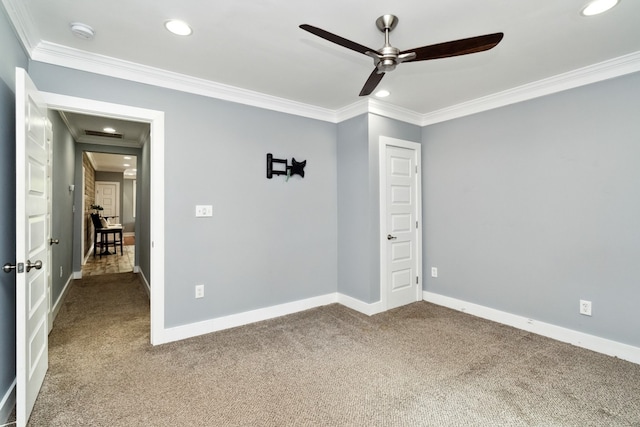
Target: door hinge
{"points": [[416, 224], [417, 280]]}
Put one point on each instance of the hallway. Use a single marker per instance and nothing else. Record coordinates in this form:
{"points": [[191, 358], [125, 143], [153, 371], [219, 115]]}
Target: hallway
{"points": [[110, 263]]}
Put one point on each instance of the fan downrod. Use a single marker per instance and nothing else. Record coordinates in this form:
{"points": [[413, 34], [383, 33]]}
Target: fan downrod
{"points": [[387, 22]]}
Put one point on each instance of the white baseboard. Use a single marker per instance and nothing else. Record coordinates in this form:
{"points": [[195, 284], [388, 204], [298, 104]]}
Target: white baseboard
{"points": [[77, 274], [579, 339], [362, 307], [87, 255], [58, 304], [147, 286], [7, 403], [129, 234], [200, 328]]}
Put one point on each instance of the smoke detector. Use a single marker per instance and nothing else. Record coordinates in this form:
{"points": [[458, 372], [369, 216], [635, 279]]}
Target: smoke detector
{"points": [[82, 31]]}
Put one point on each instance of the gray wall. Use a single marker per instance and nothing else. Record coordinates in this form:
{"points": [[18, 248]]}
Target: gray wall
{"points": [[268, 242], [63, 148], [532, 207], [358, 201], [12, 56], [143, 211], [126, 218]]}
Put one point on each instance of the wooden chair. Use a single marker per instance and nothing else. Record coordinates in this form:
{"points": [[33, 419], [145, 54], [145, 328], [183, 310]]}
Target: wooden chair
{"points": [[104, 230]]}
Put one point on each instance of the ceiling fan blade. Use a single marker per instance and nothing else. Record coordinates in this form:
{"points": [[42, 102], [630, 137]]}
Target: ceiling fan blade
{"points": [[455, 48], [336, 39], [371, 83]]}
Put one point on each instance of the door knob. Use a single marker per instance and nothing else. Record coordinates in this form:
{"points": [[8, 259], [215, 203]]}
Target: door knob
{"points": [[37, 265], [8, 267], [54, 241], [390, 237]]}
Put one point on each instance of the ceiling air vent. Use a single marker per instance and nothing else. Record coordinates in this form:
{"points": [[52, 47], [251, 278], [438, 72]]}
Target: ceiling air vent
{"points": [[103, 134]]}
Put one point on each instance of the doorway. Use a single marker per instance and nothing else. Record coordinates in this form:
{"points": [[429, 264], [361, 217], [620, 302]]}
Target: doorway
{"points": [[153, 236], [109, 181]]}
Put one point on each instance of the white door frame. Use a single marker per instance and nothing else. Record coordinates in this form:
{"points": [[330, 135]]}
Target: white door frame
{"points": [[382, 172], [156, 190]]}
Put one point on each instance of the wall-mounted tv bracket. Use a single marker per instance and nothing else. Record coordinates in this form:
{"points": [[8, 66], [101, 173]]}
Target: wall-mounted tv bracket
{"points": [[296, 168]]}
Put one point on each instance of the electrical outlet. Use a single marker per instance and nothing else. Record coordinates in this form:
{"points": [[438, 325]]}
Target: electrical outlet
{"points": [[585, 307], [434, 271], [204, 211], [199, 291]]}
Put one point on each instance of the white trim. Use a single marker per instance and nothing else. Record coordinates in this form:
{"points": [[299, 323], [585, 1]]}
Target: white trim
{"points": [[8, 402], [147, 286], [383, 143], [559, 333], [23, 23], [63, 56], [77, 274], [129, 234], [156, 191], [55, 54], [58, 304], [605, 70], [213, 325], [365, 308]]}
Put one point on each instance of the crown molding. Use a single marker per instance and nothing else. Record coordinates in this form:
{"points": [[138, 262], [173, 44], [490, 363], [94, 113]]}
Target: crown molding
{"points": [[22, 24], [63, 56], [380, 108], [605, 70], [99, 64]]}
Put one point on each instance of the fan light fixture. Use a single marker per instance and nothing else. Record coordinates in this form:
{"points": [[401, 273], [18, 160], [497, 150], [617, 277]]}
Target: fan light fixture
{"points": [[109, 130], [178, 27], [382, 93], [597, 7], [81, 30]]}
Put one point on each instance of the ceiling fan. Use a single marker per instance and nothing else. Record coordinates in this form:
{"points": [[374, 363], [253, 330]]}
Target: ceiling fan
{"points": [[388, 57]]}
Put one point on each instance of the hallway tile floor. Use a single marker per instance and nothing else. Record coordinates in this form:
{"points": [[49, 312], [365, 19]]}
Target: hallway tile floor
{"points": [[110, 263]]}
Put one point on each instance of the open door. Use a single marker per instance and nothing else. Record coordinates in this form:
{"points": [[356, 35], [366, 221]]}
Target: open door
{"points": [[32, 222]]}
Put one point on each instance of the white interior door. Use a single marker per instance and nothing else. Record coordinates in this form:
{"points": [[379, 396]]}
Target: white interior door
{"points": [[401, 244], [108, 196], [31, 245]]}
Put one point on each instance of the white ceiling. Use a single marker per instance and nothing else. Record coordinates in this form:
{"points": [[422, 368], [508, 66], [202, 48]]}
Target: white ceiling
{"points": [[104, 162], [256, 45]]}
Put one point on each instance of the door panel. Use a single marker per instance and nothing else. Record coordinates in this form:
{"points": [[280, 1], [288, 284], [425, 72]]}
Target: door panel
{"points": [[108, 196], [32, 164]]}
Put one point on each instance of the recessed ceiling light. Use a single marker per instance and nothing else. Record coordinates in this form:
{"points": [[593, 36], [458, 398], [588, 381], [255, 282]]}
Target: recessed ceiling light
{"points": [[109, 130], [596, 7], [178, 27], [82, 30], [127, 157], [126, 165], [382, 93]]}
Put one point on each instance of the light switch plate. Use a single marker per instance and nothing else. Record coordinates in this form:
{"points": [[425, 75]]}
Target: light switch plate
{"points": [[204, 211]]}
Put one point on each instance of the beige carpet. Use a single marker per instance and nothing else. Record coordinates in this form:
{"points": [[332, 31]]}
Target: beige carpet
{"points": [[420, 365]]}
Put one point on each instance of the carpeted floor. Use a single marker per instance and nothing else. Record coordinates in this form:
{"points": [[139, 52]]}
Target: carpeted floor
{"points": [[419, 365]]}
